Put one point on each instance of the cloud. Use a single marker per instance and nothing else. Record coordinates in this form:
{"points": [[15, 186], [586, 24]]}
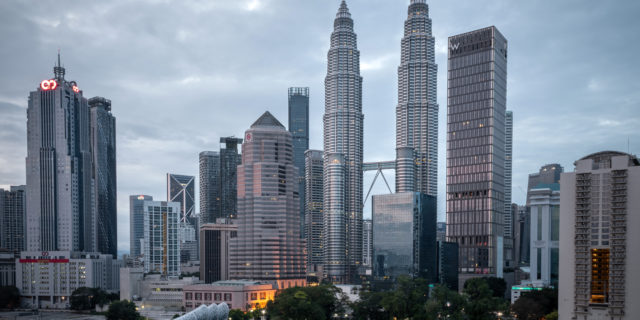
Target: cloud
{"points": [[181, 74]]}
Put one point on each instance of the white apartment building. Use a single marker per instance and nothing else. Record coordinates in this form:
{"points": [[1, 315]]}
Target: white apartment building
{"points": [[600, 242]]}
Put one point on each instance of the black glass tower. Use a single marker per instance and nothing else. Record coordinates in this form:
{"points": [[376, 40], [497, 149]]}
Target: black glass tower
{"points": [[299, 128], [230, 159], [103, 148]]}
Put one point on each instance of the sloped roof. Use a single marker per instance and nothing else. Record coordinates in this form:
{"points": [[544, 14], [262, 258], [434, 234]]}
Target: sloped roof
{"points": [[267, 120]]}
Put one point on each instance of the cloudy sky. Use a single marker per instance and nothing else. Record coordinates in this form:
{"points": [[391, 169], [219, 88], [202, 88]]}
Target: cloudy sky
{"points": [[183, 73]]}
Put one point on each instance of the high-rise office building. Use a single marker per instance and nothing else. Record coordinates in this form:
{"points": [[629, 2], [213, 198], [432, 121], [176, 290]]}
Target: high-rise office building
{"points": [[343, 138], [218, 181], [547, 176], [508, 170], [477, 88], [417, 110], [313, 208], [210, 198], [441, 231], [367, 244], [299, 128], [136, 224], [214, 250], [60, 194], [404, 229], [13, 206], [268, 246], [230, 159], [161, 245], [103, 149], [181, 189], [544, 206], [599, 242]]}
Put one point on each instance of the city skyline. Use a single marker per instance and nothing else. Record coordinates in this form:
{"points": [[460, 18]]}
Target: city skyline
{"points": [[138, 174]]}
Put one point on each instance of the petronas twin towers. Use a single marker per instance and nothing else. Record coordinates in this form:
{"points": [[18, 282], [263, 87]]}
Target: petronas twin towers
{"points": [[416, 134]]}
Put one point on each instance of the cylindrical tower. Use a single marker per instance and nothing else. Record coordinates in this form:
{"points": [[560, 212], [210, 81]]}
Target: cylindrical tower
{"points": [[405, 170], [343, 134]]}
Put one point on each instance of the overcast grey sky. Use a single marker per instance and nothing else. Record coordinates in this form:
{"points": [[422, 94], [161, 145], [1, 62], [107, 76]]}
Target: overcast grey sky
{"points": [[183, 73]]}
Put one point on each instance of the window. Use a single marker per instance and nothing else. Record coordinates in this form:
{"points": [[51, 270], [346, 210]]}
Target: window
{"points": [[198, 296], [263, 295], [599, 276], [254, 296], [555, 223], [188, 296], [217, 296], [227, 297]]}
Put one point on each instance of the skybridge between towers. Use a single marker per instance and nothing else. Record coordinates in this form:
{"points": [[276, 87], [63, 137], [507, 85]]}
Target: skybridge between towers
{"points": [[379, 167]]}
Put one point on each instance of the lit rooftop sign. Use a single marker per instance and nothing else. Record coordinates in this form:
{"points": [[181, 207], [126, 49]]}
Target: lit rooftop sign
{"points": [[47, 85]]}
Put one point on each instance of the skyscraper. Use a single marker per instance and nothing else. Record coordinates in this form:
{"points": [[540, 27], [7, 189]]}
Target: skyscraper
{"points": [[508, 214], [136, 224], [343, 138], [161, 246], [181, 189], [103, 149], [60, 211], [404, 229], [268, 246], [417, 110], [313, 208], [13, 206], [299, 128], [218, 181], [367, 244], [229, 162], [477, 87], [599, 242], [210, 198]]}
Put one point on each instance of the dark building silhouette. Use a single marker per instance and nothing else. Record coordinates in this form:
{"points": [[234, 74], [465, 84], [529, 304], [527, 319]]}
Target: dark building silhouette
{"points": [[448, 264], [230, 159], [214, 250]]}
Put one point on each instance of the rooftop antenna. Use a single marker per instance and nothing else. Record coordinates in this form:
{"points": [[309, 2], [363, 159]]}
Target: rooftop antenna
{"points": [[58, 70]]}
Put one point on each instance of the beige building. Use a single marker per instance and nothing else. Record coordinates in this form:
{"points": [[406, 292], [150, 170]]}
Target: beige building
{"points": [[599, 203], [237, 294]]}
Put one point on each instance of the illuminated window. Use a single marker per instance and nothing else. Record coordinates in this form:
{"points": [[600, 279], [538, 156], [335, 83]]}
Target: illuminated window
{"points": [[599, 276]]}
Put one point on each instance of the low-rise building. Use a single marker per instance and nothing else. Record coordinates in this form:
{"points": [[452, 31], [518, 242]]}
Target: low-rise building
{"points": [[237, 294], [47, 279], [160, 292]]}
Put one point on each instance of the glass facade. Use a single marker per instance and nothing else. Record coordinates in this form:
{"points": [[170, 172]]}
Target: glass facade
{"points": [[299, 128], [103, 147], [136, 223], [477, 84], [404, 236], [13, 207]]}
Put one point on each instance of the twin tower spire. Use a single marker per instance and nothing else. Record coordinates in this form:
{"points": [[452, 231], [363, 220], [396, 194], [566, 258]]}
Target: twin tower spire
{"points": [[416, 134]]}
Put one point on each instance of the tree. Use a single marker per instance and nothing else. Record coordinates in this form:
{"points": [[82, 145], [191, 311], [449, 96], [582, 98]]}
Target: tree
{"points": [[85, 298], [552, 316], [536, 304], [236, 314], [408, 299], [9, 297], [445, 304], [123, 310], [497, 286], [370, 306], [307, 303], [482, 304]]}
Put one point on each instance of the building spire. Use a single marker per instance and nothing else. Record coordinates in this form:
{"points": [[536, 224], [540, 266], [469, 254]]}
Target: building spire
{"points": [[58, 70], [343, 12]]}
